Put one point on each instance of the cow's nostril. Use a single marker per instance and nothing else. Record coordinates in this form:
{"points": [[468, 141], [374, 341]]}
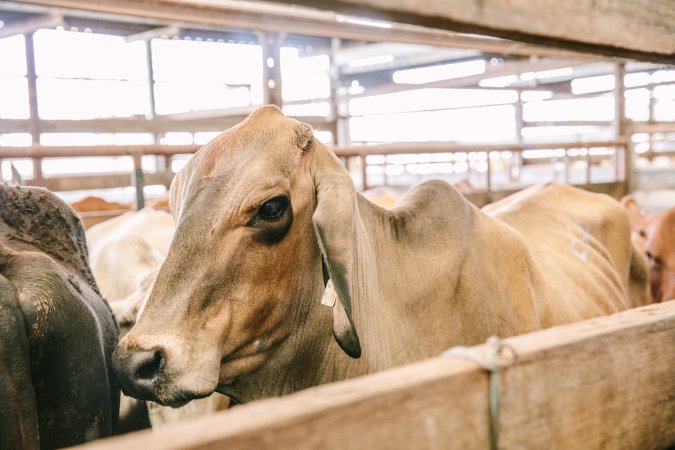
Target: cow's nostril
{"points": [[149, 366]]}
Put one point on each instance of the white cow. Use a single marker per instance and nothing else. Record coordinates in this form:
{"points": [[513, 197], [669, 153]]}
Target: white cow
{"points": [[125, 254]]}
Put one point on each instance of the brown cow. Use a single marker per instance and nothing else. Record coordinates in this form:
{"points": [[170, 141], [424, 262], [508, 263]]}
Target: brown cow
{"points": [[265, 214], [655, 235]]}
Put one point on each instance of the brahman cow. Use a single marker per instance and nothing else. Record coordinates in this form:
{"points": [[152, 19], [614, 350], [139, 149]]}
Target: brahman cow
{"points": [[266, 215], [655, 235], [97, 204], [57, 334]]}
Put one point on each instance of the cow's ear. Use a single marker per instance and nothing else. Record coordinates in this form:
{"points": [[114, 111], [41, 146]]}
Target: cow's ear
{"points": [[336, 225], [178, 190], [635, 213]]}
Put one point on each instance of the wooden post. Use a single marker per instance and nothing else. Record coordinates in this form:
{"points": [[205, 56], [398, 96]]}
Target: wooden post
{"points": [[364, 172], [138, 181], [630, 156]]}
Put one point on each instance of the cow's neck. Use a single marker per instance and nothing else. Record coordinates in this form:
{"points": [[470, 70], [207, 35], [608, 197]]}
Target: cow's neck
{"points": [[385, 268], [426, 280]]}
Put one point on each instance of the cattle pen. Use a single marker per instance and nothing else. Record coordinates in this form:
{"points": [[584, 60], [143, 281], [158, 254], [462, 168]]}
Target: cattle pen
{"points": [[604, 383], [576, 92]]}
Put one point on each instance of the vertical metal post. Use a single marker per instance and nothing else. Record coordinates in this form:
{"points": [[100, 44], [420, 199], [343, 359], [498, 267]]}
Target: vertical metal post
{"points": [[138, 181], [31, 76], [338, 123], [334, 76], [621, 154], [151, 77], [567, 165], [489, 178], [160, 160], [271, 48], [517, 158]]}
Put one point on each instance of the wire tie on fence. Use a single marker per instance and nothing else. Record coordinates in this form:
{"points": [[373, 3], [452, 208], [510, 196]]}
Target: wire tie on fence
{"points": [[500, 355]]}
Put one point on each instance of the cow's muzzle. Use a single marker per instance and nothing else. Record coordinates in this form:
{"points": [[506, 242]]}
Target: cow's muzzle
{"points": [[138, 371]]}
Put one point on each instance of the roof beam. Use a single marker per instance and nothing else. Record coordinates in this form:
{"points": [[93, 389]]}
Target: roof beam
{"points": [[229, 14], [31, 24]]}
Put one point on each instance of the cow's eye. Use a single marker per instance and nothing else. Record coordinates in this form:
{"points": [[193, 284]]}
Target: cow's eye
{"points": [[272, 220], [654, 261], [273, 209]]}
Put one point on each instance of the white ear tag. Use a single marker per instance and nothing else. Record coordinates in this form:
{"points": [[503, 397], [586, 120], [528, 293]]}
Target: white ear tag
{"points": [[329, 295]]}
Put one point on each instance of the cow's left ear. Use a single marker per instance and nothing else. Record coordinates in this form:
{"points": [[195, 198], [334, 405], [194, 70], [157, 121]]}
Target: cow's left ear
{"points": [[178, 190], [304, 136], [336, 225]]}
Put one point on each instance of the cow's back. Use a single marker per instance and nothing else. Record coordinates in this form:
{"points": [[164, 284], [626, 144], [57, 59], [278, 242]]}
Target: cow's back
{"points": [[580, 244]]}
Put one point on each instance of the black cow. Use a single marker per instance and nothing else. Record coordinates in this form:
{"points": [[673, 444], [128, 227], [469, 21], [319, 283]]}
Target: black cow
{"points": [[56, 332]]}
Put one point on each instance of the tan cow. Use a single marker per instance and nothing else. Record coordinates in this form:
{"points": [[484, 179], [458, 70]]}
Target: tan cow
{"points": [[655, 235], [265, 213]]}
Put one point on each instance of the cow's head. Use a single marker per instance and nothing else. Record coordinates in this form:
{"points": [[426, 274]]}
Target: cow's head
{"points": [[257, 210], [641, 223], [660, 249]]}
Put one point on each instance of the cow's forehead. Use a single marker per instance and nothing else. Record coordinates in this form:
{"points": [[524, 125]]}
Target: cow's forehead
{"points": [[239, 162], [247, 146]]}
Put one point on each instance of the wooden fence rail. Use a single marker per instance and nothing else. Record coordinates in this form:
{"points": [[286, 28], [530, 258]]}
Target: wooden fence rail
{"points": [[606, 383]]}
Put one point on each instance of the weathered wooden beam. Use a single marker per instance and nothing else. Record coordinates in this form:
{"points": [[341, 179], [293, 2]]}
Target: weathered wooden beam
{"points": [[635, 29], [94, 182], [606, 383]]}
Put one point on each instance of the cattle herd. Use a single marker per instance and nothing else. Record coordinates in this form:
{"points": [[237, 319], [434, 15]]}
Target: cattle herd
{"points": [[272, 274]]}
